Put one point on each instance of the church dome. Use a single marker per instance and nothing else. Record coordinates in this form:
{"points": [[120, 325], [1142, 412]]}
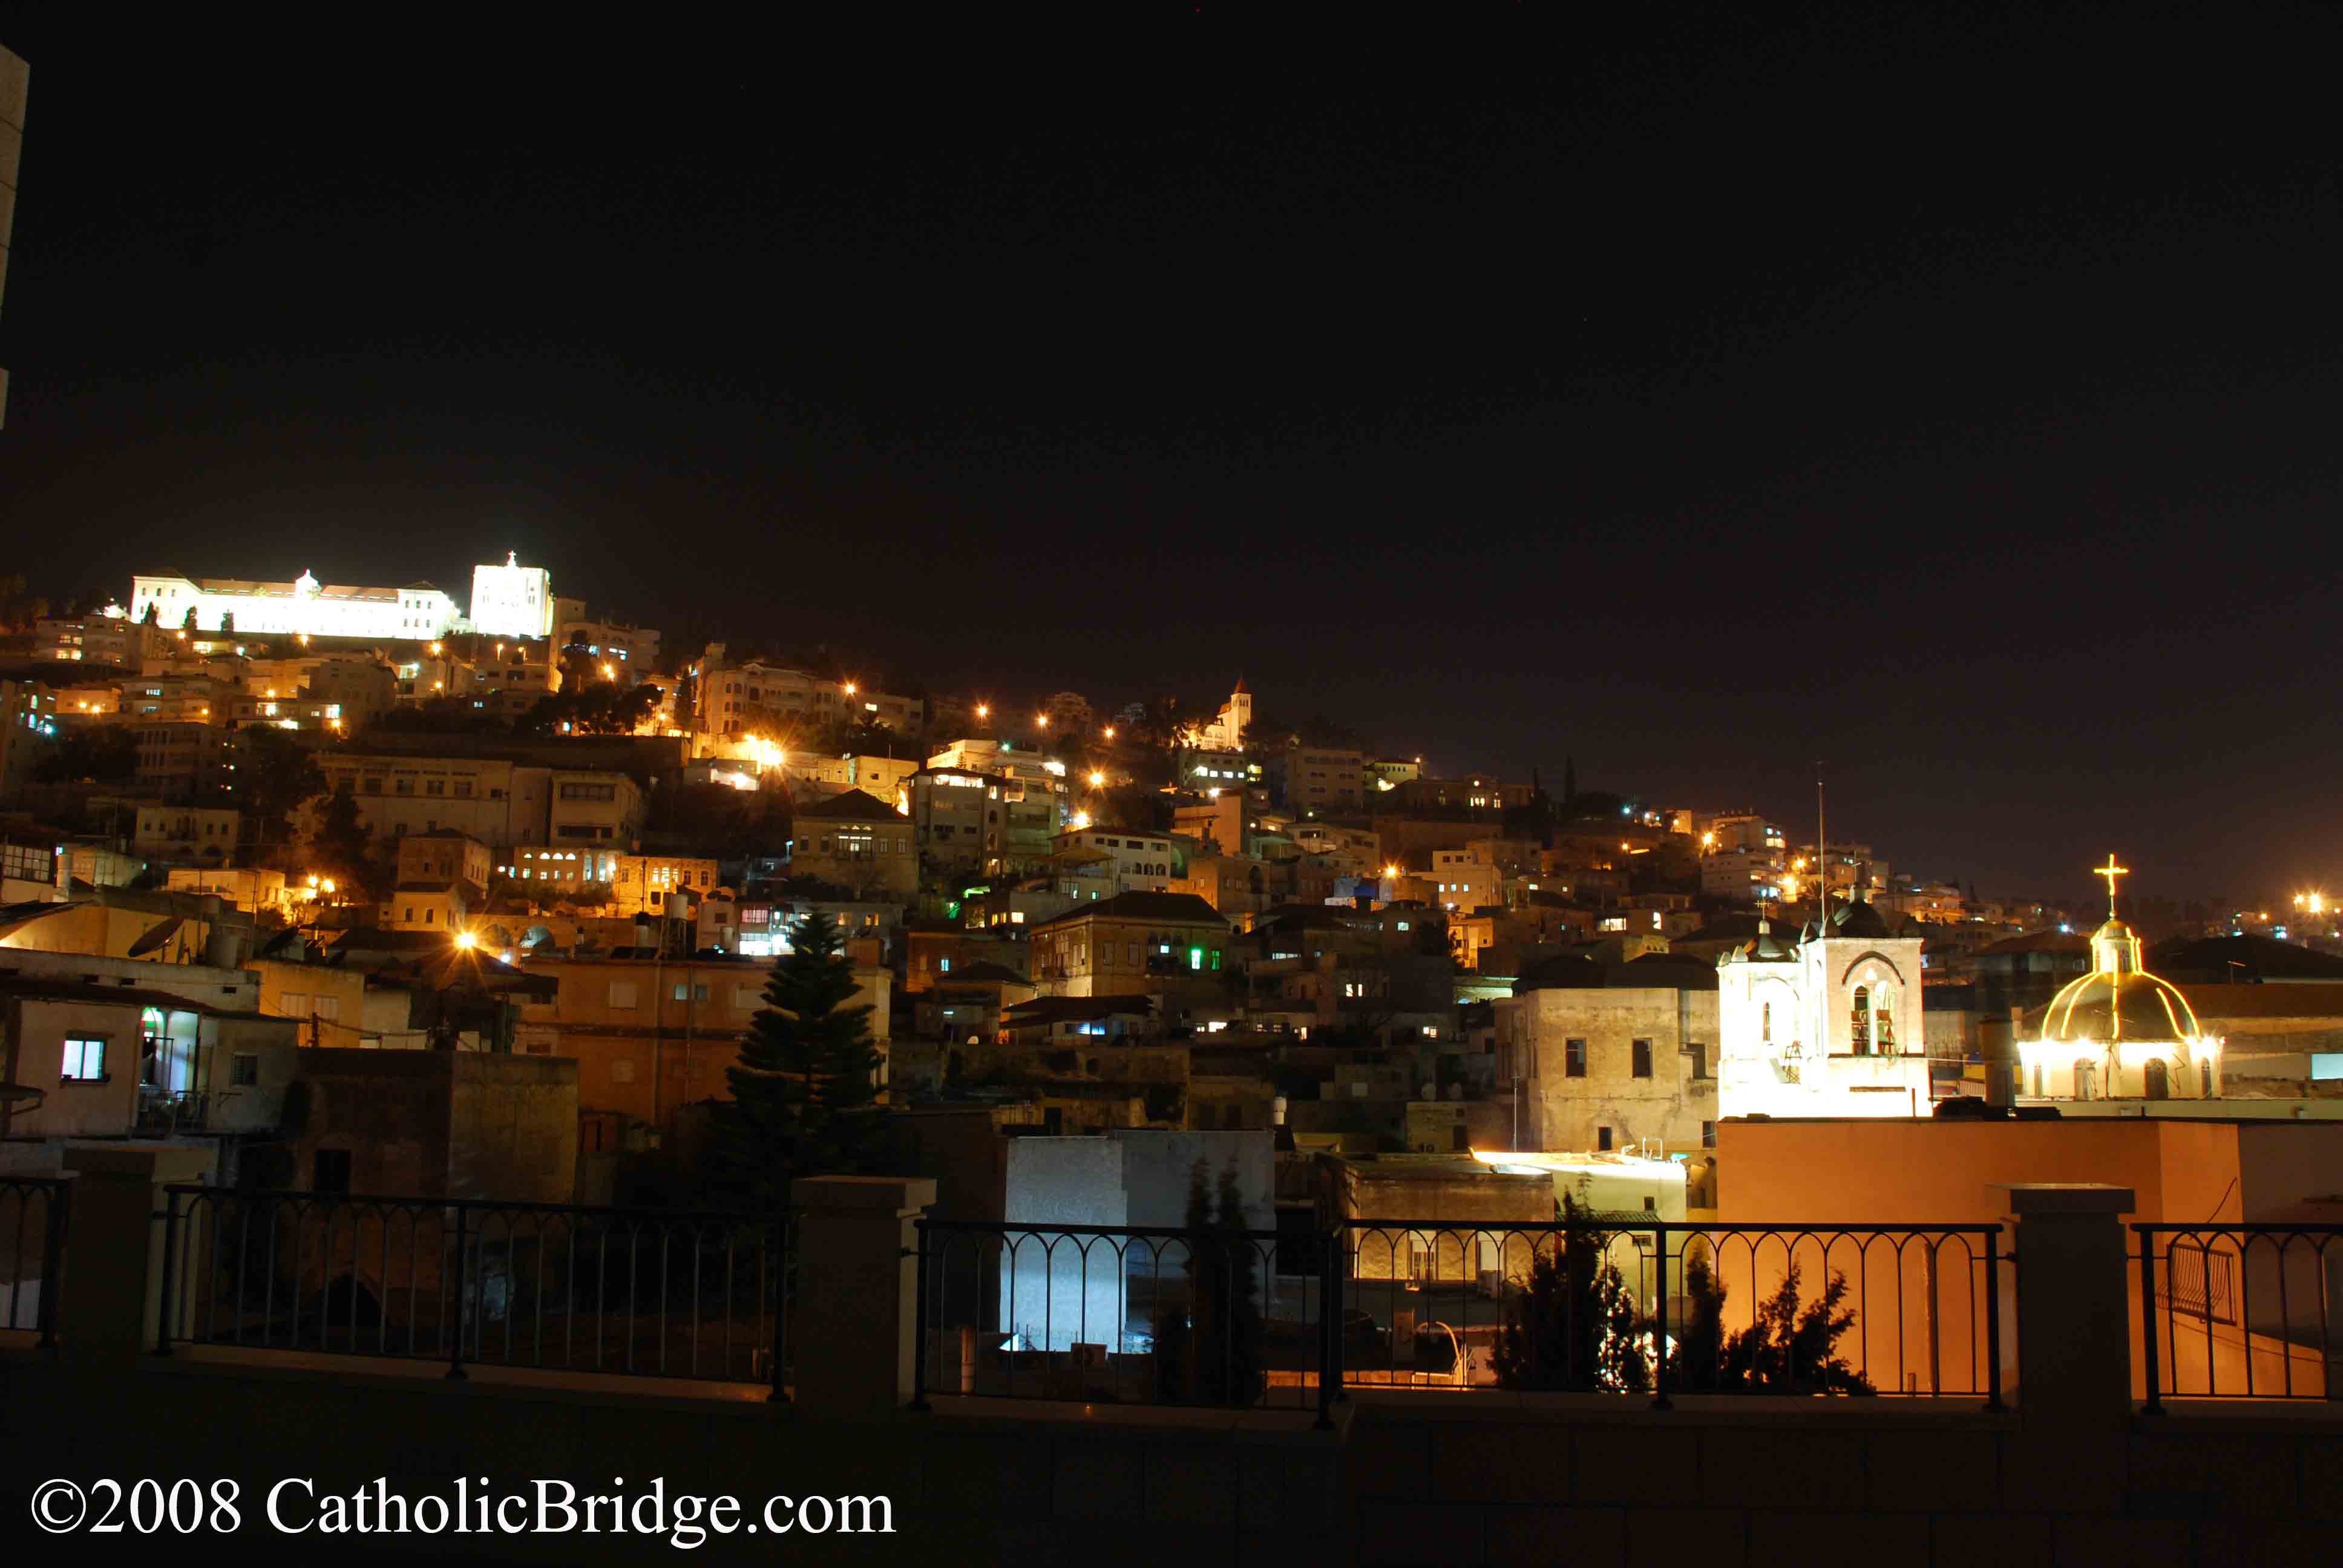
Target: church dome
{"points": [[2119, 999], [2108, 1005]]}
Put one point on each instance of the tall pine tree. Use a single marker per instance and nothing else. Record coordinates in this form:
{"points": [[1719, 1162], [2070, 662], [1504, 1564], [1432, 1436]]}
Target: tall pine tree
{"points": [[804, 1087]]}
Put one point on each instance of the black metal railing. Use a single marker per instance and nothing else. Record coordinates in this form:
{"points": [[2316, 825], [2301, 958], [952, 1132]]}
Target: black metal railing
{"points": [[34, 1214], [1124, 1314], [647, 1292], [1624, 1305], [2239, 1312]]}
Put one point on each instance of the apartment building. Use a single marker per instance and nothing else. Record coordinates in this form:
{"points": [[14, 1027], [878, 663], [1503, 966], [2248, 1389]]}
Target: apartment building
{"points": [[638, 884], [111, 639], [499, 803], [179, 763], [858, 842], [596, 809], [186, 832], [1139, 862], [634, 650], [1135, 944], [1316, 778], [754, 699], [445, 855]]}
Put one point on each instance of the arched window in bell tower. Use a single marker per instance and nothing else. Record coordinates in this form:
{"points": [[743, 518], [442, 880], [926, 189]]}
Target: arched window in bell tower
{"points": [[1859, 1022], [1765, 1022]]}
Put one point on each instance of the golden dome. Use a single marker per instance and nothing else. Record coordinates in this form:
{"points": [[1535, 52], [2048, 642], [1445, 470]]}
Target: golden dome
{"points": [[2109, 1005], [2119, 999]]}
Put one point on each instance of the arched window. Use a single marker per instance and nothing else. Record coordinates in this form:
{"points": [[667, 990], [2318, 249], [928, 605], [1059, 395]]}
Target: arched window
{"points": [[2205, 1078], [2083, 1085], [2037, 1081], [1860, 1023], [1765, 1022], [1883, 1021], [2157, 1077]]}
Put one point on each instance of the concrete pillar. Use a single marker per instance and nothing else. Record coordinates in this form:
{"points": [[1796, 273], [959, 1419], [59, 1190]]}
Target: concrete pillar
{"points": [[2073, 1322], [858, 1269], [112, 1297]]}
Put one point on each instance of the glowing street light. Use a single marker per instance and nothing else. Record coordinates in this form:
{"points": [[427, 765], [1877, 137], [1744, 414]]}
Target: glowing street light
{"points": [[1098, 779], [849, 689], [608, 673], [982, 709], [1109, 732], [466, 941], [1390, 873], [1043, 720]]}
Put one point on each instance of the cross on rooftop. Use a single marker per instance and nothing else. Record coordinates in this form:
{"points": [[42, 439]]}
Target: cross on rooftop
{"points": [[2111, 872]]}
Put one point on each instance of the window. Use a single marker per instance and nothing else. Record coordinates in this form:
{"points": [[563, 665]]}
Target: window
{"points": [[434, 786], [944, 964], [244, 1069], [1573, 1059], [1708, 1135], [1603, 1138], [623, 994], [1643, 1062], [684, 990], [2156, 1079], [1859, 1024], [84, 1060], [331, 1172], [1765, 1022], [1699, 1054], [2205, 1078]]}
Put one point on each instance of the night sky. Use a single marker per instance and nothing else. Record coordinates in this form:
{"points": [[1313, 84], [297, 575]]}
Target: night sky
{"points": [[1952, 398]]}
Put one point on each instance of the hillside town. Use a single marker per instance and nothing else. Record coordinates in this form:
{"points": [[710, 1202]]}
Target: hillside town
{"points": [[526, 829]]}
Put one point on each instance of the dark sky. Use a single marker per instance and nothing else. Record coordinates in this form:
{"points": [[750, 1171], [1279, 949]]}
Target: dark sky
{"points": [[1952, 398]]}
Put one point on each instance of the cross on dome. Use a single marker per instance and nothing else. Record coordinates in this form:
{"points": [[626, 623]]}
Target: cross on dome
{"points": [[2111, 872]]}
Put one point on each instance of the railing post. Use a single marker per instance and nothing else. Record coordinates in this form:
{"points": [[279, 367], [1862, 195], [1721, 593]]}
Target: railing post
{"points": [[2155, 1406], [1330, 1330], [781, 1389], [456, 1341], [53, 1260], [920, 1318], [1993, 1320], [115, 1290], [2074, 1333], [1338, 1271], [857, 1239], [163, 1308], [1660, 1400]]}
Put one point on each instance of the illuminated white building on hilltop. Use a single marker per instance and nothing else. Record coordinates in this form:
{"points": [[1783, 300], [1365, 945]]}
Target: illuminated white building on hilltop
{"points": [[303, 605], [512, 599], [1828, 1027], [509, 600]]}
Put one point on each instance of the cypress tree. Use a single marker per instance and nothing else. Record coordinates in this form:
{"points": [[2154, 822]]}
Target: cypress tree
{"points": [[803, 1088]]}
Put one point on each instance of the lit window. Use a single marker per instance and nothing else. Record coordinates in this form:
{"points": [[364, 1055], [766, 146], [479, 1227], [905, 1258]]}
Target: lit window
{"points": [[85, 1060]]}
